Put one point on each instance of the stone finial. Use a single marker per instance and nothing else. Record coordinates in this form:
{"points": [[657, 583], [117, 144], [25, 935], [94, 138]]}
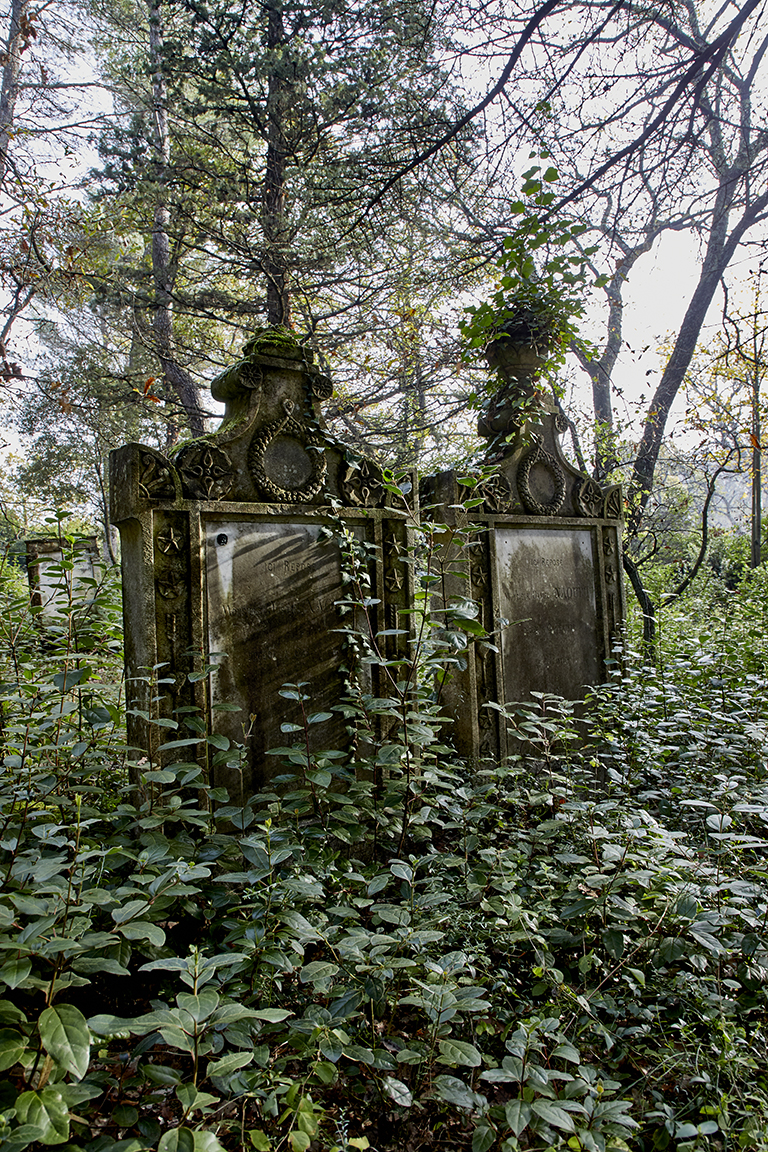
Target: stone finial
{"points": [[518, 353]]}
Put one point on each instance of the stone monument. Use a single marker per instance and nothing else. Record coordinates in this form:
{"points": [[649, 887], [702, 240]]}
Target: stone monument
{"points": [[231, 556], [541, 556], [61, 575]]}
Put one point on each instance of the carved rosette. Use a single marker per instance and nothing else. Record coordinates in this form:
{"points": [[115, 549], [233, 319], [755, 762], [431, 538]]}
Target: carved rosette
{"points": [[589, 498], [155, 478], [307, 446], [320, 386], [206, 471], [361, 483], [537, 457], [497, 494], [614, 506]]}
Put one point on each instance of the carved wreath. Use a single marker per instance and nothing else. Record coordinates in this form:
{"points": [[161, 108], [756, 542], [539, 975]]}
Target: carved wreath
{"points": [[288, 426], [537, 455]]}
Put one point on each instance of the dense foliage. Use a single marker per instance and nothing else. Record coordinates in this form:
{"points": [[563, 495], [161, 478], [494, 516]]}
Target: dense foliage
{"points": [[566, 950]]}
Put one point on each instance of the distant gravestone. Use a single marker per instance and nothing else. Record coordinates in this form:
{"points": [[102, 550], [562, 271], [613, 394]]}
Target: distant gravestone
{"points": [[541, 558], [231, 554], [60, 574]]}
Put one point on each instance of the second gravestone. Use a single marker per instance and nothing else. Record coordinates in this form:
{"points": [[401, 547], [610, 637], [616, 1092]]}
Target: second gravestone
{"points": [[233, 553], [536, 546]]}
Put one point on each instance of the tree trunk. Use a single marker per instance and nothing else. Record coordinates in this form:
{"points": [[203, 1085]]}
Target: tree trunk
{"points": [[720, 249], [18, 39], [273, 218], [177, 380]]}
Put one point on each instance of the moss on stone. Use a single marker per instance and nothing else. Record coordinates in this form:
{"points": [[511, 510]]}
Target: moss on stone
{"points": [[277, 341]]}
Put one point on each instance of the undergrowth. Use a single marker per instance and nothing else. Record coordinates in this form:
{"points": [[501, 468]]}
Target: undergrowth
{"points": [[565, 950]]}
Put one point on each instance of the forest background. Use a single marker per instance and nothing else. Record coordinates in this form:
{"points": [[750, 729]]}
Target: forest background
{"points": [[364, 174]]}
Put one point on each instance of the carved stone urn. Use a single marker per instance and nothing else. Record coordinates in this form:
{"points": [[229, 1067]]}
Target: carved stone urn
{"points": [[517, 352]]}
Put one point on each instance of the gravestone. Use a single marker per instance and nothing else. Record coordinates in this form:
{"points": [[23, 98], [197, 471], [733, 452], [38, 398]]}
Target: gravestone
{"points": [[540, 556], [60, 575], [231, 555]]}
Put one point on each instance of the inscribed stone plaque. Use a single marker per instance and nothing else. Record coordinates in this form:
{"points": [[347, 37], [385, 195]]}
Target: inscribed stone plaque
{"points": [[271, 592], [546, 580]]}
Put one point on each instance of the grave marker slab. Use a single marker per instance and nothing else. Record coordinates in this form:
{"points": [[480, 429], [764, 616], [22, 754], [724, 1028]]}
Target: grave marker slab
{"points": [[540, 557], [56, 590], [229, 555]]}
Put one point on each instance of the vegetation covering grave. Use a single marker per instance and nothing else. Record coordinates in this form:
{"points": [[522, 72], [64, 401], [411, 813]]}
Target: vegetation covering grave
{"points": [[565, 950]]}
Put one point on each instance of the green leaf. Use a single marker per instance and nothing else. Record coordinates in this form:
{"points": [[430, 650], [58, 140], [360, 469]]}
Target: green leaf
{"points": [[455, 1052], [272, 1015], [128, 911], [518, 1115], [230, 1063], [483, 1137], [200, 1007], [318, 970], [66, 680], [177, 1140], [552, 1114], [218, 741], [45, 1111], [15, 972], [143, 930], [300, 1141], [455, 1091], [260, 1140], [65, 1036], [399, 1092], [12, 1047]]}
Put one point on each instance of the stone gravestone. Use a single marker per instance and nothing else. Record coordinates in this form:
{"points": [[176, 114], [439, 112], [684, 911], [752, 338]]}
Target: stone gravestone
{"points": [[55, 589], [540, 556], [231, 555]]}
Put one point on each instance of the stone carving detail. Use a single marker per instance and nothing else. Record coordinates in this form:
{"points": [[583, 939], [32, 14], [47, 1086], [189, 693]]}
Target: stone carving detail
{"points": [[394, 580], [206, 471], [479, 576], [155, 479], [497, 494], [321, 386], [304, 456], [361, 483], [561, 423], [169, 540], [613, 509], [610, 557], [171, 584], [537, 456], [589, 498]]}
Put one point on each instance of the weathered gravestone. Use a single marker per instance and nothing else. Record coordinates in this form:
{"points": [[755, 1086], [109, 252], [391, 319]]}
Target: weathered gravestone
{"points": [[230, 551], [540, 556], [61, 575]]}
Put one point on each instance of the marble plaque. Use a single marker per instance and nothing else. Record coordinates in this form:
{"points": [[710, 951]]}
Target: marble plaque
{"points": [[552, 639], [270, 591]]}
